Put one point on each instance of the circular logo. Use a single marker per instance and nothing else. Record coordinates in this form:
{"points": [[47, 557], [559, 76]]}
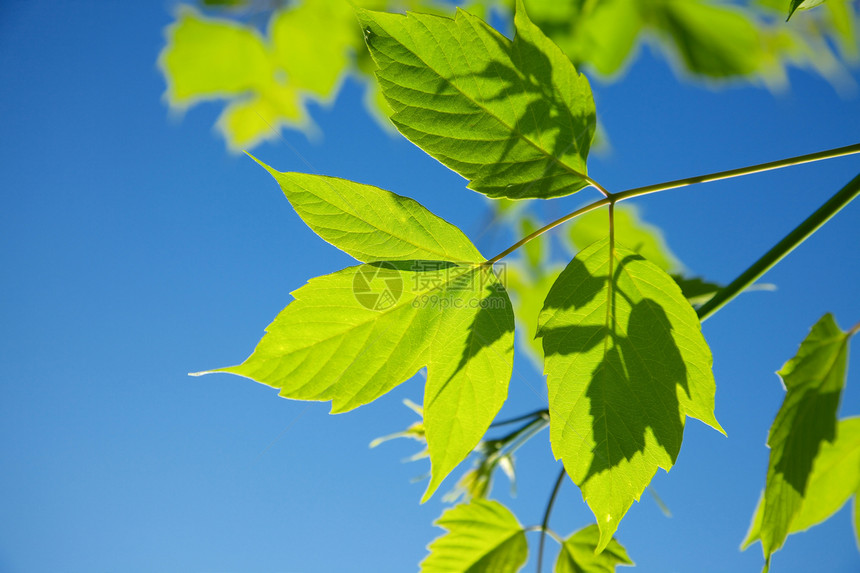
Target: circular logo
{"points": [[377, 286]]}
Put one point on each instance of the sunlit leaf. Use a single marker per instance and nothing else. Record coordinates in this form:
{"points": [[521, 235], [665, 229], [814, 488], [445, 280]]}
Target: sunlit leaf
{"points": [[515, 118], [625, 363], [802, 5], [577, 553], [814, 380], [483, 537], [353, 335], [835, 477], [372, 224]]}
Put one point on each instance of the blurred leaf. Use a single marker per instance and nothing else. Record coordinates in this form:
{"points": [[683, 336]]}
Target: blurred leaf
{"points": [[713, 40], [802, 5], [529, 291], [535, 250], [515, 118], [577, 553], [415, 430], [696, 290], [483, 537], [626, 362], [630, 231], [312, 42], [212, 58]]}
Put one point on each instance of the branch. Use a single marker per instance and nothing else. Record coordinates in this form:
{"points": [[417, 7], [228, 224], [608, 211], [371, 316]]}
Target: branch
{"points": [[781, 249], [545, 523]]}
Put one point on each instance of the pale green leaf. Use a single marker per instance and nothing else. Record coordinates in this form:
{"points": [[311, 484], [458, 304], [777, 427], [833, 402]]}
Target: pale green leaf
{"points": [[514, 118], [312, 43], [835, 477], [483, 537], [372, 224], [212, 58], [630, 231], [814, 380], [535, 250], [247, 122], [529, 291], [577, 553], [802, 5], [626, 362], [353, 335]]}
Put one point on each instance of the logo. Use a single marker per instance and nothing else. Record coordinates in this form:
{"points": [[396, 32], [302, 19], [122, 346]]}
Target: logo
{"points": [[377, 286]]}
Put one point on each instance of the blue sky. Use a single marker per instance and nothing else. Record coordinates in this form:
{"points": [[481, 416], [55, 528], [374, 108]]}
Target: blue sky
{"points": [[134, 249]]}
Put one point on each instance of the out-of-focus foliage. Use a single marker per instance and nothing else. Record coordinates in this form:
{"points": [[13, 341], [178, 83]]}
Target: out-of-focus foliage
{"points": [[267, 59]]}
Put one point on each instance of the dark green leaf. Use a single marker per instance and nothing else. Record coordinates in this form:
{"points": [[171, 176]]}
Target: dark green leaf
{"points": [[802, 5]]}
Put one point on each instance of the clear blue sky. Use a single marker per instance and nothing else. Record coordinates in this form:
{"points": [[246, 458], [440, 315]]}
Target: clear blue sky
{"points": [[135, 249]]}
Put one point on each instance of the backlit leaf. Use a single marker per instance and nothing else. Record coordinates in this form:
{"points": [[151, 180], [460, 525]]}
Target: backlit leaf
{"points": [[577, 553], [814, 380], [483, 537], [353, 335], [372, 224], [835, 477], [626, 362], [514, 118]]}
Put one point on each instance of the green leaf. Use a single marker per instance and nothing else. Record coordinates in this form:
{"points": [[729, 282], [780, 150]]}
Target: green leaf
{"points": [[577, 553], [696, 289], [535, 250], [835, 477], [625, 363], [514, 118], [801, 5], [353, 335], [211, 58], [713, 40], [372, 224], [600, 34], [630, 231], [814, 380], [312, 44], [247, 122], [483, 536], [529, 291]]}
